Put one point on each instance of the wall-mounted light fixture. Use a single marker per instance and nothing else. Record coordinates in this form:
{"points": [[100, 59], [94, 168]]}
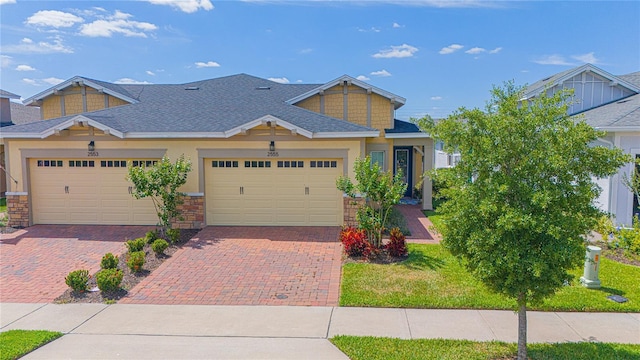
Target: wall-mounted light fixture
{"points": [[91, 146], [272, 146]]}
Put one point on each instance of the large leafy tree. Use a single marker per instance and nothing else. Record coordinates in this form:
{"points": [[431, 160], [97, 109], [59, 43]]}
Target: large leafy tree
{"points": [[521, 199], [161, 182]]}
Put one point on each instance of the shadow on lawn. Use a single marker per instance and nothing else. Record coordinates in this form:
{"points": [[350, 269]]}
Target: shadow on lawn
{"points": [[419, 261], [581, 350]]}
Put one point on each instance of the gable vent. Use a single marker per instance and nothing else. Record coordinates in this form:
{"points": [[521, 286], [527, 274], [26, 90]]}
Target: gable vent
{"points": [[192, 88], [263, 88]]}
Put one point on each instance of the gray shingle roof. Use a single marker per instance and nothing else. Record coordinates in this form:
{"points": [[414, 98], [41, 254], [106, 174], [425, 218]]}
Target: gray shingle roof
{"points": [[633, 78], [624, 113], [217, 105], [21, 114], [8, 95]]}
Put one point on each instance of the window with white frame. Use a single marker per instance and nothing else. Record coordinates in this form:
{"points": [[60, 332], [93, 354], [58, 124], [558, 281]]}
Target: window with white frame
{"points": [[377, 157]]}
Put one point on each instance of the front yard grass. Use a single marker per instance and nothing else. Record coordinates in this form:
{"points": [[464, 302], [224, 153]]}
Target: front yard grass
{"points": [[372, 348], [17, 343], [3, 205], [432, 278]]}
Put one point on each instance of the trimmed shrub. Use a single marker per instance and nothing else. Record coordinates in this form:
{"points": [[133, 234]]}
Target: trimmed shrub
{"points": [[109, 261], [77, 280], [135, 261], [159, 246], [397, 245], [151, 236], [355, 242], [173, 235], [135, 245], [109, 279]]}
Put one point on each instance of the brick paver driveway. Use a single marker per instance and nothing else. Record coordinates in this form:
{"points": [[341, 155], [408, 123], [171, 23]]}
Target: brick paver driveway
{"points": [[249, 266], [35, 261]]}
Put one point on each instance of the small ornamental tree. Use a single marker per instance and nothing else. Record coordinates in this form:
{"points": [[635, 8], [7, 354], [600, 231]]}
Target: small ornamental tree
{"points": [[520, 201], [632, 182], [161, 183], [381, 190]]}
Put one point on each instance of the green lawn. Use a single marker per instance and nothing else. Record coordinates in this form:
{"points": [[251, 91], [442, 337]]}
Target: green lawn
{"points": [[433, 278], [17, 343], [433, 215], [371, 348], [3, 205]]}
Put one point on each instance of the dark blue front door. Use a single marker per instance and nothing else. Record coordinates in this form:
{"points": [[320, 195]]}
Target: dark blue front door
{"points": [[403, 161]]}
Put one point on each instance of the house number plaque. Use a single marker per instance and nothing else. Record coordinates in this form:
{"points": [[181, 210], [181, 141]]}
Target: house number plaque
{"points": [[92, 154], [272, 154]]}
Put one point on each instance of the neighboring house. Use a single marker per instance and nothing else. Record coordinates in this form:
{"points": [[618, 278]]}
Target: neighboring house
{"points": [[263, 153], [12, 113], [612, 104], [444, 159]]}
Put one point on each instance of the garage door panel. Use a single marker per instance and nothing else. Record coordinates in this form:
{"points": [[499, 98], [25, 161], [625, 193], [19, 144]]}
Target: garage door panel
{"points": [[277, 195], [85, 194]]}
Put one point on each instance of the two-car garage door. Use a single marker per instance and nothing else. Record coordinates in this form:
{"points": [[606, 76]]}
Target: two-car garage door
{"points": [[299, 192], [71, 191]]}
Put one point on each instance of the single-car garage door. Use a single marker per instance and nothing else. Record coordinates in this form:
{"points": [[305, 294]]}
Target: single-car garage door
{"points": [[294, 192], [84, 191]]}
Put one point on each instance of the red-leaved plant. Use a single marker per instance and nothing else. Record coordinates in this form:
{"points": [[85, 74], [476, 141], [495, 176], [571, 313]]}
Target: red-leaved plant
{"points": [[397, 245], [354, 241]]}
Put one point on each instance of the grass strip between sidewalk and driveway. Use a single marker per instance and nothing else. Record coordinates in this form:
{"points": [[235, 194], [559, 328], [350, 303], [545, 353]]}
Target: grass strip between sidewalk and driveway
{"points": [[373, 348], [17, 343], [432, 278]]}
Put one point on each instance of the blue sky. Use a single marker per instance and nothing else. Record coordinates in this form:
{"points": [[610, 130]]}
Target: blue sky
{"points": [[438, 54]]}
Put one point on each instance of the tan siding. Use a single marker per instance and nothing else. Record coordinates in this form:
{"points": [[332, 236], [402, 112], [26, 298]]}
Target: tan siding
{"points": [[357, 107], [380, 112], [114, 101], [95, 102], [333, 105], [312, 103], [51, 107], [73, 104]]}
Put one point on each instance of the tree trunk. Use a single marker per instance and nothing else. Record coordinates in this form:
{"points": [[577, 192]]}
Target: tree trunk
{"points": [[522, 327]]}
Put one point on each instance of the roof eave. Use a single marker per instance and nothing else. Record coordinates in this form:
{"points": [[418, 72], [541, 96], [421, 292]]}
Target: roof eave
{"points": [[346, 134], [398, 100], [420, 135], [70, 82]]}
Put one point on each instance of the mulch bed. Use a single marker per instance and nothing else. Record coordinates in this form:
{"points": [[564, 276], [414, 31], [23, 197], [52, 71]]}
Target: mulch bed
{"points": [[619, 256], [130, 279]]}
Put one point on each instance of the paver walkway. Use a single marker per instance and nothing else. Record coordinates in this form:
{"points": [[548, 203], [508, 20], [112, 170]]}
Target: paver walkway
{"points": [[249, 266], [418, 224], [35, 261]]}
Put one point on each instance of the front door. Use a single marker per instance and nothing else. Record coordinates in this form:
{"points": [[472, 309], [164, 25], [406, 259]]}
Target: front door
{"points": [[403, 161]]}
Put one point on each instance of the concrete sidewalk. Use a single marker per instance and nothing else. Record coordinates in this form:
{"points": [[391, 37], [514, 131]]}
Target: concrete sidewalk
{"points": [[98, 331]]}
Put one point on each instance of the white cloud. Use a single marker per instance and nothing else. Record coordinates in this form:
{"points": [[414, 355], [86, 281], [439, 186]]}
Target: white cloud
{"points": [[5, 61], [400, 51], [30, 82], [27, 46], [129, 81], [362, 78], [306, 51], [281, 80], [53, 18], [118, 23], [207, 64], [450, 49], [24, 68], [495, 51], [436, 98], [475, 50], [149, 72], [7, 2], [383, 73], [188, 6], [373, 29], [396, 25], [552, 60], [53, 80], [586, 58]]}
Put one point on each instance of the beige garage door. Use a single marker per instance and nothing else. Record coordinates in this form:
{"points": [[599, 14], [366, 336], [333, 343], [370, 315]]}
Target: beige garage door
{"points": [[273, 192], [73, 191]]}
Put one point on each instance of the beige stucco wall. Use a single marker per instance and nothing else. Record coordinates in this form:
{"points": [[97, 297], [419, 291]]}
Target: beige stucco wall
{"points": [[175, 148]]}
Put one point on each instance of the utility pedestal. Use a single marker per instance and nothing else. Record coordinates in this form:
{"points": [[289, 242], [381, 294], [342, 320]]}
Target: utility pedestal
{"points": [[591, 267]]}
